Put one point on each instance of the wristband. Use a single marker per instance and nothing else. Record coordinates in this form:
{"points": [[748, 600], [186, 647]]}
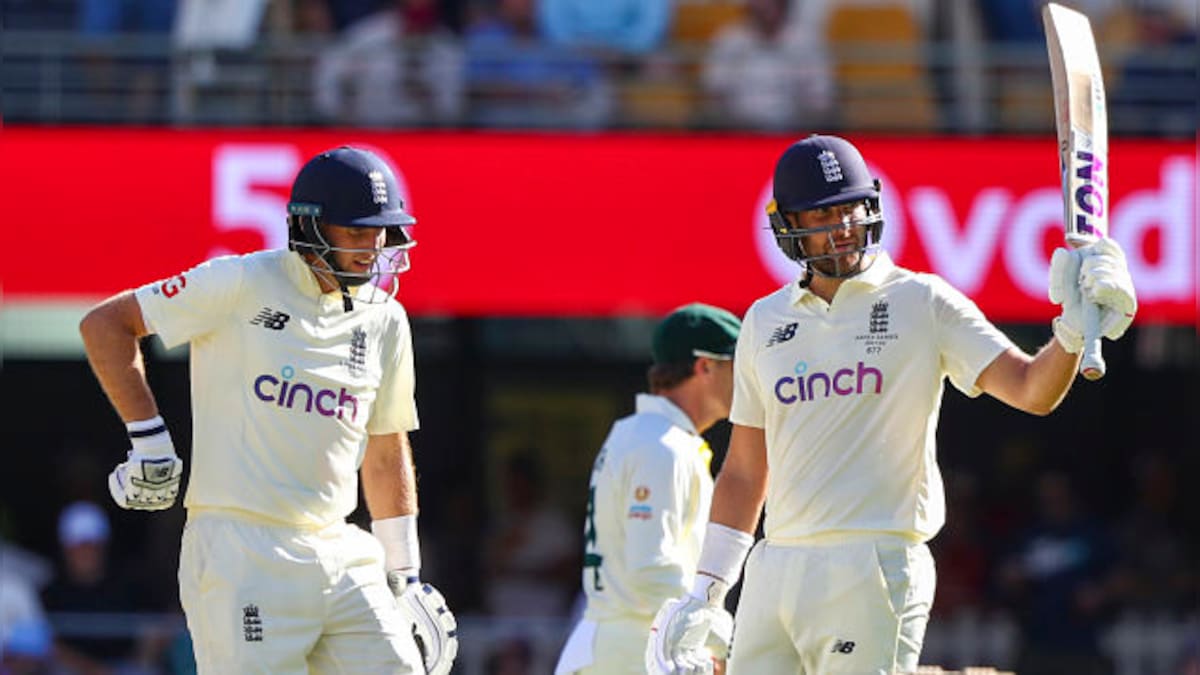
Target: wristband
{"points": [[720, 565], [709, 589], [150, 438], [401, 548]]}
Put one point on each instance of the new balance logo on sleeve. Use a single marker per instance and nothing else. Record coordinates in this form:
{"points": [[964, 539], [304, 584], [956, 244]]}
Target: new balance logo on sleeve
{"points": [[269, 318], [842, 647]]}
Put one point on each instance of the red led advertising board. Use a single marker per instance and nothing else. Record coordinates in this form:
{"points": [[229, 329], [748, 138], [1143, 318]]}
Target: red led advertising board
{"points": [[579, 225]]}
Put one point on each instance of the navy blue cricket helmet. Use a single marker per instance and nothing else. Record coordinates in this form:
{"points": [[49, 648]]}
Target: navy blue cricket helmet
{"points": [[350, 187], [817, 172]]}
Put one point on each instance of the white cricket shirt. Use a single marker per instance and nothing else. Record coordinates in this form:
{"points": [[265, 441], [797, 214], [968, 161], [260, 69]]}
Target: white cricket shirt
{"points": [[286, 385], [848, 395], [650, 491]]}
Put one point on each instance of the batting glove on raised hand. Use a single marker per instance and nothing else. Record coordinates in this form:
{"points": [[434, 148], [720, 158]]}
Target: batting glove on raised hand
{"points": [[148, 479], [1104, 280], [1064, 290], [686, 635], [433, 626]]}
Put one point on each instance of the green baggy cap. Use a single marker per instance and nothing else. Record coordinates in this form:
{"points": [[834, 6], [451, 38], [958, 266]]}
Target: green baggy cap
{"points": [[695, 330]]}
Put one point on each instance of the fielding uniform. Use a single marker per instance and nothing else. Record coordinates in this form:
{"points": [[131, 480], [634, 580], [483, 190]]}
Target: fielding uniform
{"points": [[848, 394], [286, 386], [647, 506]]}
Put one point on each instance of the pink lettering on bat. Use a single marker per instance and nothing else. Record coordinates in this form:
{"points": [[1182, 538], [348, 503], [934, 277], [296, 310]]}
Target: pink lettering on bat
{"points": [[1089, 196]]}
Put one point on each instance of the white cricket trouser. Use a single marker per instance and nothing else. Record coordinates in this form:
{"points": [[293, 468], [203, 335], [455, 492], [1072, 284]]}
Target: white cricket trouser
{"points": [[617, 647], [837, 603], [262, 598]]}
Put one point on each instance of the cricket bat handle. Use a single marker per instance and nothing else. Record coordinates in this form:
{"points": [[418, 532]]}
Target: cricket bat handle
{"points": [[1092, 365]]}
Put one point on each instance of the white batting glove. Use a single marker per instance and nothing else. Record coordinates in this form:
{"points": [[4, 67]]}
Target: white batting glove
{"points": [[688, 634], [148, 479], [1104, 280], [433, 626], [1064, 290]]}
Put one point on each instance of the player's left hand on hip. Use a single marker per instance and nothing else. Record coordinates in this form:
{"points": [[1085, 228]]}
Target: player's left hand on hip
{"points": [[148, 479], [1104, 280], [433, 625], [685, 637]]}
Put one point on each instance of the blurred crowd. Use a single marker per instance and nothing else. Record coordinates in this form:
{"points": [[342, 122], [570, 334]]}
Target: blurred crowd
{"points": [[973, 65]]}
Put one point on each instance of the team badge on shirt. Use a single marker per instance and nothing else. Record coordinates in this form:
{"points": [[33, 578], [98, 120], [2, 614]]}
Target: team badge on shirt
{"points": [[252, 625], [641, 511], [879, 317], [878, 323], [357, 363]]}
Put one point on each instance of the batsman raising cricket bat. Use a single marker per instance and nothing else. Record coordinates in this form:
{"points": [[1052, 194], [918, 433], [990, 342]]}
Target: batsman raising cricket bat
{"points": [[1081, 123], [834, 432]]}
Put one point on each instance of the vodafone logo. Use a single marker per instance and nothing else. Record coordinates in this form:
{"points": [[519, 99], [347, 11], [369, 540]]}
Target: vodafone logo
{"points": [[1003, 232]]}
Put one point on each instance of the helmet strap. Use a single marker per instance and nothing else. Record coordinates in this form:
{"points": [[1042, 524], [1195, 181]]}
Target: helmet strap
{"points": [[319, 246], [306, 238], [806, 280]]}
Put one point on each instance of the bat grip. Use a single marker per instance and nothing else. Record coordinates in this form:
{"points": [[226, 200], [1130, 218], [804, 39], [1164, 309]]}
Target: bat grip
{"points": [[1092, 366]]}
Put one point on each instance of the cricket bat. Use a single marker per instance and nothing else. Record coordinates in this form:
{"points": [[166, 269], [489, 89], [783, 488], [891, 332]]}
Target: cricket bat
{"points": [[1081, 122]]}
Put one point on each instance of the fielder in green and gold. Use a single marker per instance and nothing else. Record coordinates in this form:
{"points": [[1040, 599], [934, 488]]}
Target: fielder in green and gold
{"points": [[650, 490]]}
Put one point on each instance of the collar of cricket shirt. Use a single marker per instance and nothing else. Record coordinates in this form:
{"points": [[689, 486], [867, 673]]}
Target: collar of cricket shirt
{"points": [[872, 278], [661, 405], [300, 274]]}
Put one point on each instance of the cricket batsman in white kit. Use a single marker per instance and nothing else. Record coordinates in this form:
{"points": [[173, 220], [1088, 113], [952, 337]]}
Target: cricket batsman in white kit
{"points": [[837, 387], [302, 380], [650, 490]]}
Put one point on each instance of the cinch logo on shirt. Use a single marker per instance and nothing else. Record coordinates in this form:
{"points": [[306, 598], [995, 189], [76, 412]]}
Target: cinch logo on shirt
{"points": [[842, 382], [287, 394]]}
